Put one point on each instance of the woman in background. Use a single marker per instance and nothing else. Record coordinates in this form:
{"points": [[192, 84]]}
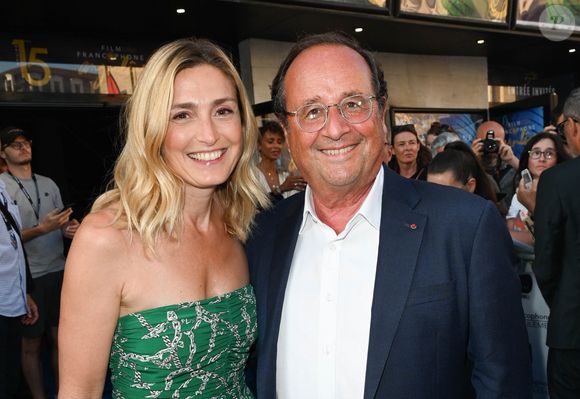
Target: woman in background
{"points": [[277, 183], [156, 278], [457, 166], [410, 157], [541, 152]]}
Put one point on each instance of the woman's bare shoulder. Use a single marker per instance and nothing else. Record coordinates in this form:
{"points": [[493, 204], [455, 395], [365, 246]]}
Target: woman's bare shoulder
{"points": [[101, 230], [98, 254]]}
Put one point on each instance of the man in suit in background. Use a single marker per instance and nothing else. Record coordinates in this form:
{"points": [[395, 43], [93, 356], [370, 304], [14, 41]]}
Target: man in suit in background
{"points": [[370, 285], [557, 263]]}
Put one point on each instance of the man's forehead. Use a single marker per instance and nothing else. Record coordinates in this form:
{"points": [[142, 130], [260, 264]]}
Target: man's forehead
{"points": [[327, 68], [496, 127]]}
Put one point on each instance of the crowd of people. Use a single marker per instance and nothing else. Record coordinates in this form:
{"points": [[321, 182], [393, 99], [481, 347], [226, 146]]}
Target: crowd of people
{"points": [[357, 274]]}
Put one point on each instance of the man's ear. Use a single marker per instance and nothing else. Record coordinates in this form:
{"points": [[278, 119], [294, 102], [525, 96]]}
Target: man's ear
{"points": [[2, 154], [384, 118], [470, 185], [286, 134]]}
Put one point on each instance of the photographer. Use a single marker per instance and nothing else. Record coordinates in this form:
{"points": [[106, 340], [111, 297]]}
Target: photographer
{"points": [[497, 158]]}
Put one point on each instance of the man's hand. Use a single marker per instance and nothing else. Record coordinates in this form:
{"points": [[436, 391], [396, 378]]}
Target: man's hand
{"points": [[32, 315], [71, 228], [477, 147], [528, 198], [55, 219], [550, 129], [293, 183], [507, 155]]}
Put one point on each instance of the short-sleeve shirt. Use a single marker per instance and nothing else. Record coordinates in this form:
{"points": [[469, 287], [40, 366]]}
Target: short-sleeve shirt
{"points": [[45, 252], [12, 265]]}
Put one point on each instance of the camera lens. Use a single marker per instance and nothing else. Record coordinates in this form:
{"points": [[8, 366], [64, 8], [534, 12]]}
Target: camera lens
{"points": [[490, 146]]}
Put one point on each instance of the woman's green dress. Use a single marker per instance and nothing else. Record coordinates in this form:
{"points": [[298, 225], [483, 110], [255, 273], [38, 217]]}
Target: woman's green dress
{"points": [[189, 350]]}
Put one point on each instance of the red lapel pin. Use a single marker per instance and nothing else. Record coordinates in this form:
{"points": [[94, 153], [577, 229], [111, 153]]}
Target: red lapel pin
{"points": [[413, 226]]}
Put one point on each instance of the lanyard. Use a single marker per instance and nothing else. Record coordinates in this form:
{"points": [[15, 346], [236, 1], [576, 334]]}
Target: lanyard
{"points": [[9, 227], [28, 197]]}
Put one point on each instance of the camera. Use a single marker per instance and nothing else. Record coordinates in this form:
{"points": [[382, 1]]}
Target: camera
{"points": [[490, 144]]}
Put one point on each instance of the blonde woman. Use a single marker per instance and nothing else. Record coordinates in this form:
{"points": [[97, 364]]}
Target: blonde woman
{"points": [[156, 278]]}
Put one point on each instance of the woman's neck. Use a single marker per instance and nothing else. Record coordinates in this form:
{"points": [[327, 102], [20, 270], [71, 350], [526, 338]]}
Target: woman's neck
{"points": [[267, 164], [408, 169], [268, 168], [200, 208]]}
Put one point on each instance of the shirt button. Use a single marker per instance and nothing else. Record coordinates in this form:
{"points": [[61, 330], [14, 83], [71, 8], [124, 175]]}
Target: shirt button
{"points": [[332, 247], [328, 297]]}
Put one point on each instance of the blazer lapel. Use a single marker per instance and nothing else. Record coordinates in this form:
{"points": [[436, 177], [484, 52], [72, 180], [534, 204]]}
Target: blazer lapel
{"points": [[285, 242], [400, 239]]}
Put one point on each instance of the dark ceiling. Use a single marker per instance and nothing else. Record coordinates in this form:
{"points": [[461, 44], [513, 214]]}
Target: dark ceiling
{"points": [[228, 22]]}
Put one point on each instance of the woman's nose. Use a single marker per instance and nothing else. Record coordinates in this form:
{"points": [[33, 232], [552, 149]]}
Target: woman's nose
{"points": [[207, 133]]}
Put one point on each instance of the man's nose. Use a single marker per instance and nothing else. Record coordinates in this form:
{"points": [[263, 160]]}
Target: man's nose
{"points": [[336, 125]]}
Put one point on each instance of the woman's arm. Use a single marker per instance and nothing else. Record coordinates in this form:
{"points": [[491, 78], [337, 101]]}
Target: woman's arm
{"points": [[90, 302]]}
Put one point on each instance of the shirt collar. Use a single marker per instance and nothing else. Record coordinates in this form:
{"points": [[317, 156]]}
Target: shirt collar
{"points": [[370, 209]]}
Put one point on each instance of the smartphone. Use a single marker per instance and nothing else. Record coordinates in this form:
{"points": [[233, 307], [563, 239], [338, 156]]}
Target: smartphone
{"points": [[526, 175], [66, 206]]}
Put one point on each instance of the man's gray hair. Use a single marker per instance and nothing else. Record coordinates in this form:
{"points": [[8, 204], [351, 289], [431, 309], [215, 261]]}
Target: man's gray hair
{"points": [[572, 105], [442, 140]]}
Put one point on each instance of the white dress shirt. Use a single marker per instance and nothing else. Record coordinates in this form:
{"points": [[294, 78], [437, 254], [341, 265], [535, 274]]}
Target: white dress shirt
{"points": [[12, 264], [326, 317]]}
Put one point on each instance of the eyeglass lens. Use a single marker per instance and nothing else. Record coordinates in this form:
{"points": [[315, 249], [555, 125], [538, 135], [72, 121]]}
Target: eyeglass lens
{"points": [[560, 127], [354, 109], [536, 154], [18, 145]]}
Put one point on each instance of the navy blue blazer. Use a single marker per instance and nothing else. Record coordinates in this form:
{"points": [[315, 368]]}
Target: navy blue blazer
{"points": [[446, 317], [557, 222]]}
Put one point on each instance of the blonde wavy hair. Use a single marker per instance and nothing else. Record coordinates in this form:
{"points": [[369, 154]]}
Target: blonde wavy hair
{"points": [[147, 195]]}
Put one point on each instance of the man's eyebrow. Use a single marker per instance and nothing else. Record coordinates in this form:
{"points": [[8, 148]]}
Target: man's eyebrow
{"points": [[345, 94]]}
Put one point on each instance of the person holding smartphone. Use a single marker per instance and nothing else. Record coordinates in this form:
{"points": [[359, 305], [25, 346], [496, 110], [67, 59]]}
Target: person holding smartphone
{"points": [[541, 152], [44, 223]]}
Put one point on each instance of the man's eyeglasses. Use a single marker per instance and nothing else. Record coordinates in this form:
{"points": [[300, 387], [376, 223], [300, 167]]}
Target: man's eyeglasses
{"points": [[18, 145], [536, 154], [561, 125], [353, 109]]}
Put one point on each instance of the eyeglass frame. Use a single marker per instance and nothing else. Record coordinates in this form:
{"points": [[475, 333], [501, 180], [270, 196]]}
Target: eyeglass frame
{"points": [[543, 154], [560, 126], [327, 108], [21, 144]]}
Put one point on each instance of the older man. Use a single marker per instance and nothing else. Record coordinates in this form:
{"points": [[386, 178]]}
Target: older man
{"points": [[370, 285], [557, 263]]}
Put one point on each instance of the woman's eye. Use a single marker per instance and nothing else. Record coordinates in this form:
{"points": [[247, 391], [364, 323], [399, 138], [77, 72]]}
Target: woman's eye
{"points": [[180, 116], [223, 112]]}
